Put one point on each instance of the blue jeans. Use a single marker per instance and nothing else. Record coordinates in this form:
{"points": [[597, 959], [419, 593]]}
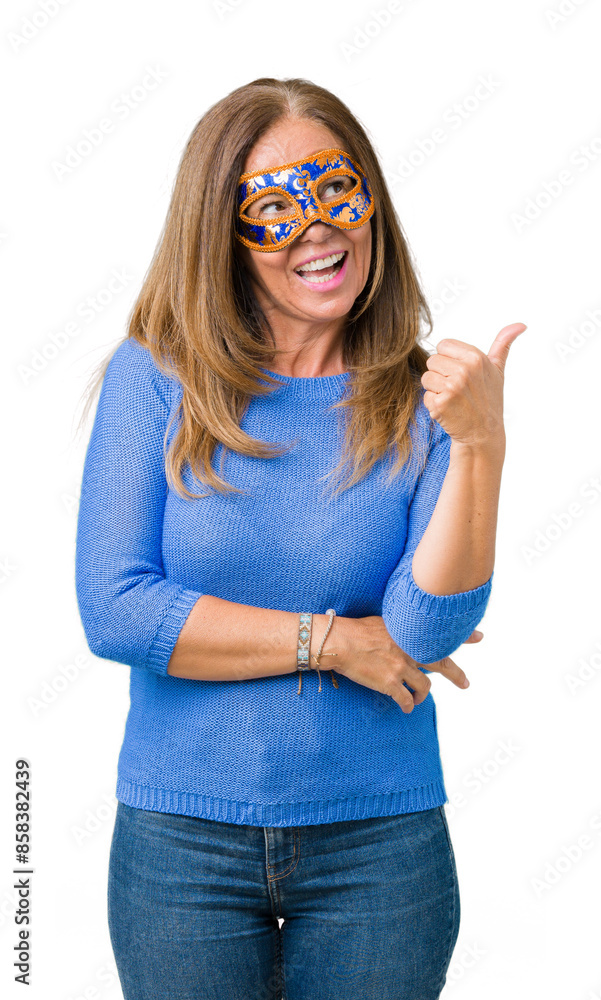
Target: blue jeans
{"points": [[370, 908]]}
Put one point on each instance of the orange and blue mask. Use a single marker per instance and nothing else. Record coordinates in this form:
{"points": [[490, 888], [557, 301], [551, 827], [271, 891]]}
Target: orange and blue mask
{"points": [[328, 187]]}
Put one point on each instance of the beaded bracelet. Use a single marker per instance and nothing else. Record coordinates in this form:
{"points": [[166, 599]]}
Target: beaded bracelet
{"points": [[305, 628]]}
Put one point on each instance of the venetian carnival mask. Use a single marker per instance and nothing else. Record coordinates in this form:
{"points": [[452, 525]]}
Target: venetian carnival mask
{"points": [[328, 186]]}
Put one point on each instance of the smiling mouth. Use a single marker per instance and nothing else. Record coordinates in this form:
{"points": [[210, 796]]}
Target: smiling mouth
{"points": [[319, 271]]}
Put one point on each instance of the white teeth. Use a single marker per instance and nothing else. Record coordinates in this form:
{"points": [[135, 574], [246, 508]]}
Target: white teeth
{"points": [[317, 279], [318, 265]]}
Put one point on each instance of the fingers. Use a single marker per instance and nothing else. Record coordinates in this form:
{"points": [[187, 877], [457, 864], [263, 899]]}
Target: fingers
{"points": [[434, 382], [451, 671], [476, 636], [405, 698], [410, 688]]}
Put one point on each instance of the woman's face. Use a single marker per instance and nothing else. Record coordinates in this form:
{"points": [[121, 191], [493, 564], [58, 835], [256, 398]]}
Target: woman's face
{"points": [[279, 288]]}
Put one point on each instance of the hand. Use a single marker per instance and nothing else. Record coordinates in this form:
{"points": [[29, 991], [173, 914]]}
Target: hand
{"points": [[449, 669], [368, 655], [464, 387]]}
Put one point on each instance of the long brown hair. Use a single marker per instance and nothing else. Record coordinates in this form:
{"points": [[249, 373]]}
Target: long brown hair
{"points": [[198, 315]]}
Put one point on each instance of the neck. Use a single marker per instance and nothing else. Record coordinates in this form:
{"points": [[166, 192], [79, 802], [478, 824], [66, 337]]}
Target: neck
{"points": [[309, 352]]}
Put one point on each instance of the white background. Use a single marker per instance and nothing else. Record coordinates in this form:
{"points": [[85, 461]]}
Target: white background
{"points": [[530, 915]]}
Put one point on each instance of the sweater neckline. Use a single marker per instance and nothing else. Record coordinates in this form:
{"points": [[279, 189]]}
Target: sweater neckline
{"points": [[309, 387]]}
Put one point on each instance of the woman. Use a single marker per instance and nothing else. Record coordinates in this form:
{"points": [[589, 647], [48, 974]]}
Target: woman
{"points": [[274, 839]]}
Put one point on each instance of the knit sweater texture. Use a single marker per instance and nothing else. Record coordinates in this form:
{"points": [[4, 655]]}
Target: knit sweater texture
{"points": [[254, 751]]}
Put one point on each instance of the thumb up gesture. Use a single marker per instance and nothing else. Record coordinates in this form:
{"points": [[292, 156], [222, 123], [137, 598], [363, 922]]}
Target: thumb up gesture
{"points": [[464, 388]]}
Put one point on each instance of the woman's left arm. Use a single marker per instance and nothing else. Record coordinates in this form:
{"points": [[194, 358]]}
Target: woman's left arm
{"points": [[439, 590], [464, 394], [457, 550]]}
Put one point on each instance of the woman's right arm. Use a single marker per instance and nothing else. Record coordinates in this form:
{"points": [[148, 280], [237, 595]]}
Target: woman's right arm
{"points": [[130, 611], [222, 641]]}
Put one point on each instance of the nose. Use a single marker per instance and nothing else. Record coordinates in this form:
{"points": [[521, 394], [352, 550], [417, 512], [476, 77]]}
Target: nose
{"points": [[317, 232]]}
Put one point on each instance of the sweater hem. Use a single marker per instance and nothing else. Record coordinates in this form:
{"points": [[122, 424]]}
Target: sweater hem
{"points": [[282, 814]]}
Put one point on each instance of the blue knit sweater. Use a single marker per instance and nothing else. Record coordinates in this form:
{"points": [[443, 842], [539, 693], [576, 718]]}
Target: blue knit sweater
{"points": [[255, 751]]}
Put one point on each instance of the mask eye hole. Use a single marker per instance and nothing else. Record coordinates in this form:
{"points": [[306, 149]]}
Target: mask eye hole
{"points": [[336, 187], [275, 205]]}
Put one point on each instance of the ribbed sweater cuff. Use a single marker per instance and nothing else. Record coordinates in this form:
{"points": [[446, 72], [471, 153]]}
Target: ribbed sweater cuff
{"points": [[446, 605], [169, 629]]}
